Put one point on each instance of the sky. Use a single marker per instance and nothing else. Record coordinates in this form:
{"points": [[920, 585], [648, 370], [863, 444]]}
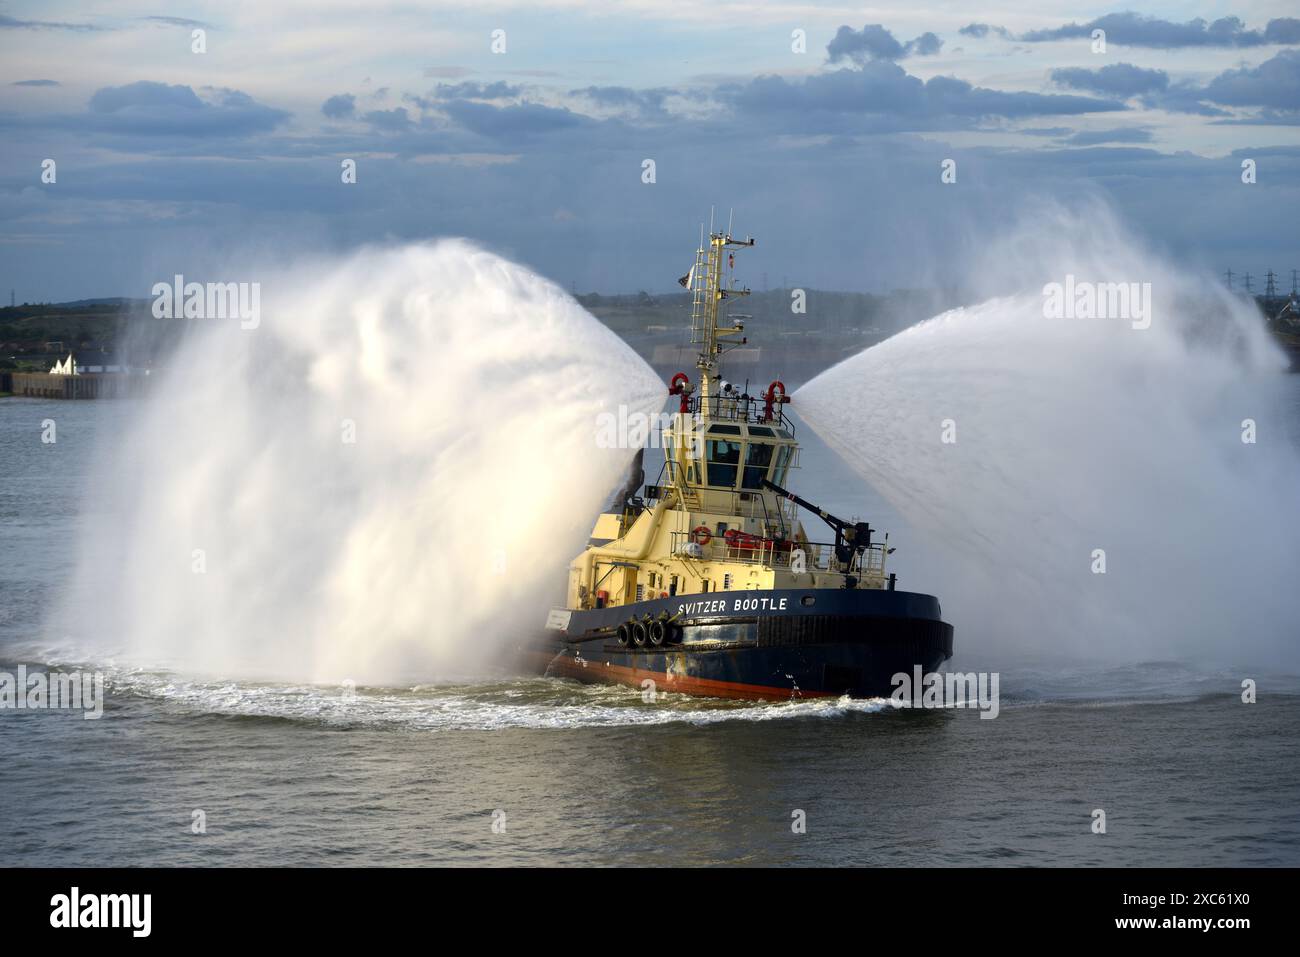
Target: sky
{"points": [[528, 127]]}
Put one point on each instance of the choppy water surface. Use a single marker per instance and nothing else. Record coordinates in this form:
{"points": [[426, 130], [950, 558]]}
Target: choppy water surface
{"points": [[291, 773]]}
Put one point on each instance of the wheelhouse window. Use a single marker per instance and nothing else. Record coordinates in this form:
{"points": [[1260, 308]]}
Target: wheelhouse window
{"points": [[724, 460], [757, 460], [782, 463]]}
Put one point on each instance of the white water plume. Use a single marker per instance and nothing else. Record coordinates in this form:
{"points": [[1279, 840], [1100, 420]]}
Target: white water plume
{"points": [[240, 532], [1077, 435]]}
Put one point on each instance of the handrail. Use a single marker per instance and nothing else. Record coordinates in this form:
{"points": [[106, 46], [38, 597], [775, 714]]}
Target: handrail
{"points": [[784, 515], [739, 408], [819, 556]]}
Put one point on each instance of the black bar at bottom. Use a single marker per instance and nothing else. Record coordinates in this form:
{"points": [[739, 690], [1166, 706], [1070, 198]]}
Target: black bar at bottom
{"points": [[947, 906]]}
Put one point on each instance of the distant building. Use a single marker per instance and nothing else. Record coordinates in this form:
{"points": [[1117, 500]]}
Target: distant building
{"points": [[96, 365], [101, 364]]}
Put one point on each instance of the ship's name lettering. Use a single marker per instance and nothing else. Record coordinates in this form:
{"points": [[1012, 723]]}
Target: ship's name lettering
{"points": [[737, 604]]}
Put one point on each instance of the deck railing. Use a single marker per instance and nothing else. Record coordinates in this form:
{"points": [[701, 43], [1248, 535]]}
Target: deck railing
{"points": [[770, 553], [750, 409]]}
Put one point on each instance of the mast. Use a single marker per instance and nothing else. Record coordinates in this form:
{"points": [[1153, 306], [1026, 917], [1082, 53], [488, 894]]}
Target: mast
{"points": [[708, 291]]}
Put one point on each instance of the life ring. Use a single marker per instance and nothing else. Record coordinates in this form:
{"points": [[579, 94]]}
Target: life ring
{"points": [[774, 395], [684, 390], [701, 535]]}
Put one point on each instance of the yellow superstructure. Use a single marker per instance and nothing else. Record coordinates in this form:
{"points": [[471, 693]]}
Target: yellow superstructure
{"points": [[715, 524]]}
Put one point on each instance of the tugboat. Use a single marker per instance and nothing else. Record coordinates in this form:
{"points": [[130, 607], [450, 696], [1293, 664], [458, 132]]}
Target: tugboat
{"points": [[707, 583]]}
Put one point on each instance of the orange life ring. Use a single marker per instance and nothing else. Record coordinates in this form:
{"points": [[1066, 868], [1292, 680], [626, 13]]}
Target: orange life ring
{"points": [[680, 385], [775, 395], [701, 535]]}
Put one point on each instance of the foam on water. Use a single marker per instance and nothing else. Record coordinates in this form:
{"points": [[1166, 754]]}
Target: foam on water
{"points": [[536, 703], [503, 702], [237, 531], [1080, 434]]}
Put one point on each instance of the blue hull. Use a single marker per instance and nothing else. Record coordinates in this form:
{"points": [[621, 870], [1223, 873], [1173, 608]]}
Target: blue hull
{"points": [[774, 644]]}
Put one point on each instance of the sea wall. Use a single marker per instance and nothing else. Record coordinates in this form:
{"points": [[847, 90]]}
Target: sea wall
{"points": [[43, 385]]}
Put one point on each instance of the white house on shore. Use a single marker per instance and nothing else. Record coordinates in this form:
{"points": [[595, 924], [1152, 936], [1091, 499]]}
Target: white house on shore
{"points": [[71, 366]]}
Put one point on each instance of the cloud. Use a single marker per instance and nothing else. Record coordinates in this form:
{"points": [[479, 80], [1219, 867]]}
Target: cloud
{"points": [[1183, 97], [832, 102], [470, 90], [179, 22], [1283, 30], [395, 120], [159, 109], [503, 122], [1274, 83], [1134, 29], [113, 99], [874, 42], [813, 154], [1117, 79], [1130, 134], [447, 72], [644, 102], [340, 106], [12, 23], [927, 44], [1273, 86], [35, 83], [1264, 117], [980, 30]]}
